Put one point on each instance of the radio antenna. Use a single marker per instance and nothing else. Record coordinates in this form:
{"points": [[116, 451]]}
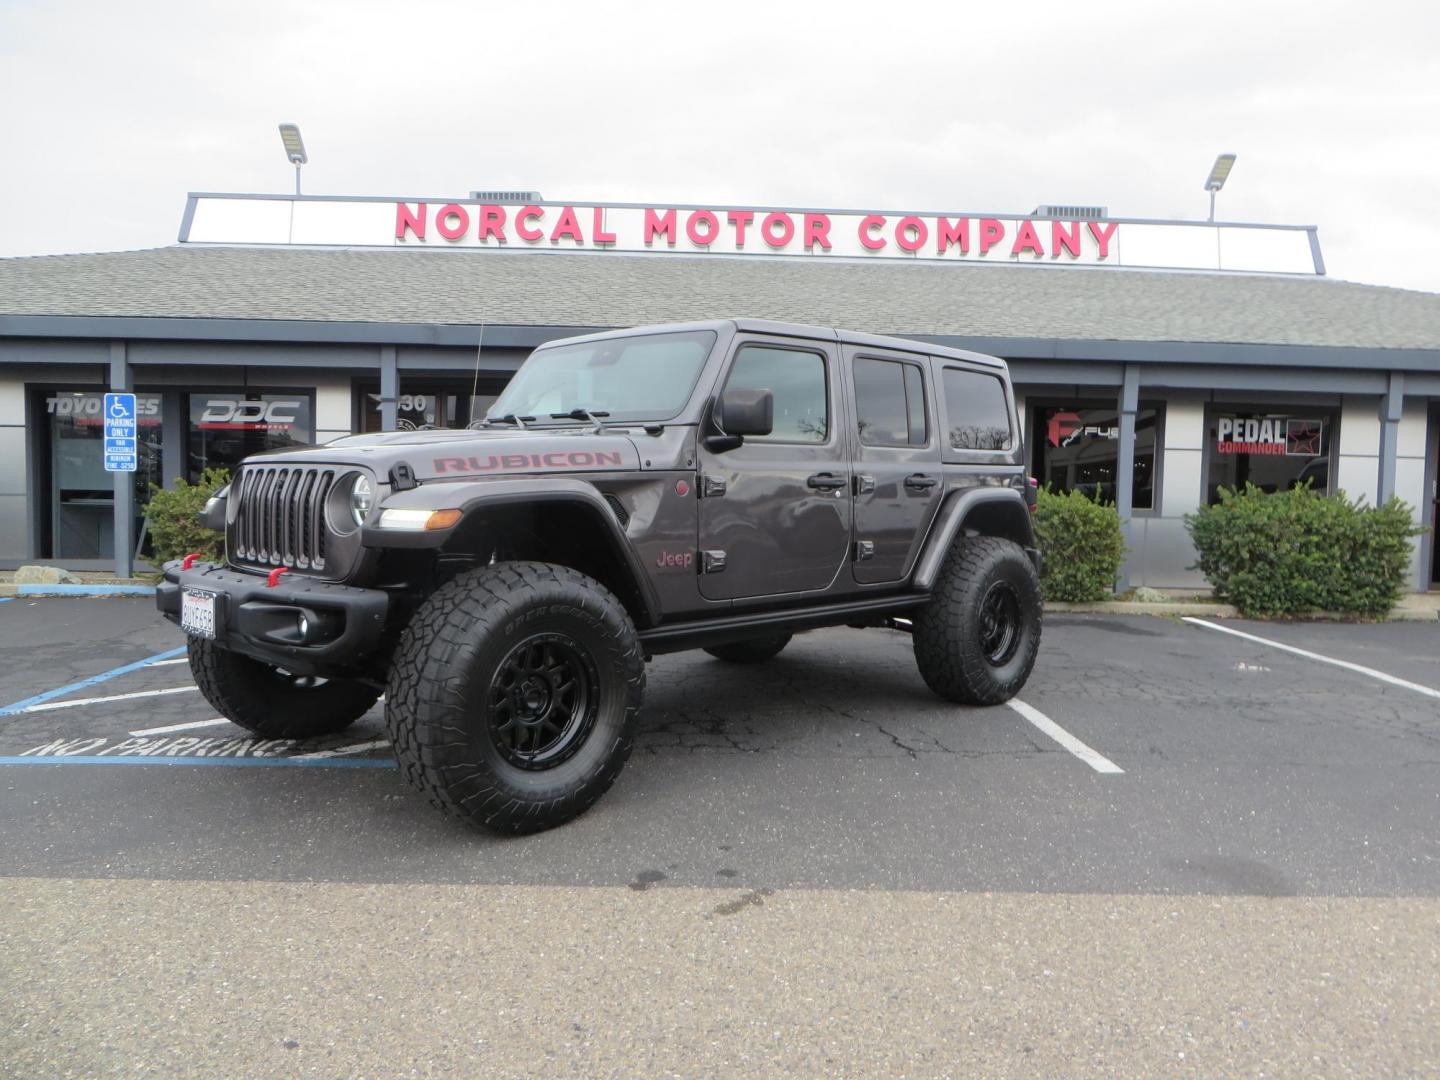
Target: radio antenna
{"points": [[475, 382]]}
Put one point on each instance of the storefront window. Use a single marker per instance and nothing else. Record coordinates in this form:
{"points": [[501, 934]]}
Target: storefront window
{"points": [[1077, 448], [82, 494], [1274, 450], [420, 405], [227, 426]]}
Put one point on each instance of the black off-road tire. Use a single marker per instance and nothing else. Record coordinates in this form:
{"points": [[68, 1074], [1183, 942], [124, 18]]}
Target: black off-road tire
{"points": [[755, 651], [470, 683], [273, 703], [960, 652]]}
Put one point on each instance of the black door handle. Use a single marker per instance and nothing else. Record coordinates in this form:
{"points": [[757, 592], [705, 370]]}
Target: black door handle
{"points": [[824, 481], [920, 482]]}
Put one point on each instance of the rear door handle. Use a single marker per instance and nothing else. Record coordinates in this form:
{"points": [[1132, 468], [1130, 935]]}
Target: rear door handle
{"points": [[824, 481], [920, 482]]}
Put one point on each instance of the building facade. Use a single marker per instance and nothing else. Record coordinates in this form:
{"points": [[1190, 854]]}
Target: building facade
{"points": [[1155, 361]]}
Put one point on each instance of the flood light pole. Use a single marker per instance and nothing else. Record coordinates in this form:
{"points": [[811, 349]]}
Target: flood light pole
{"points": [[1216, 180], [294, 149]]}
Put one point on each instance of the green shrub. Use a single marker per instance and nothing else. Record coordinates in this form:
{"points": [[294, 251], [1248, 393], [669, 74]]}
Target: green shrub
{"points": [[1082, 546], [1297, 551], [175, 530]]}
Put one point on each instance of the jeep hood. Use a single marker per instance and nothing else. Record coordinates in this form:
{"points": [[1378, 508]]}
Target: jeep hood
{"points": [[447, 454]]}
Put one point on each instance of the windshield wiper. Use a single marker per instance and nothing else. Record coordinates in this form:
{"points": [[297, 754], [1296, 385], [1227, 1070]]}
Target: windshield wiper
{"points": [[508, 418], [581, 414]]}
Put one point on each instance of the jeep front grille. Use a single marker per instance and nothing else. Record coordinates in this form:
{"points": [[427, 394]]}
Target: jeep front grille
{"points": [[281, 516]]}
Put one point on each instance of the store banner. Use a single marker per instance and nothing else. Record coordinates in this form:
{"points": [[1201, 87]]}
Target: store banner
{"points": [[1275, 436], [718, 229]]}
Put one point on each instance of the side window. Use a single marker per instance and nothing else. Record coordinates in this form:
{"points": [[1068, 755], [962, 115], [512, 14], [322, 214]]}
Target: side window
{"points": [[976, 411], [797, 379], [889, 402]]}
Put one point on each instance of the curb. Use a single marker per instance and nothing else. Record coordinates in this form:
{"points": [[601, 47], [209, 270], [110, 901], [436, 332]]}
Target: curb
{"points": [[77, 590], [1136, 607], [1225, 611]]}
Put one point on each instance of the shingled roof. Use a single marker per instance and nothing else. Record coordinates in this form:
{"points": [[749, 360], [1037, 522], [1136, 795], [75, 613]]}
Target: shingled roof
{"points": [[601, 290]]}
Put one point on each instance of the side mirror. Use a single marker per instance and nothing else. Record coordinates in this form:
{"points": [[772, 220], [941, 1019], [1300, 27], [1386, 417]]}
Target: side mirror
{"points": [[746, 412]]}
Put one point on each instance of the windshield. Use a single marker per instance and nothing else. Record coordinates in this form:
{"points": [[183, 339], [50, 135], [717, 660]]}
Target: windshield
{"points": [[646, 377]]}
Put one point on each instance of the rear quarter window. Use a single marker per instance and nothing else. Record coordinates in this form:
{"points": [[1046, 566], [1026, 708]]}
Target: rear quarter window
{"points": [[977, 414]]}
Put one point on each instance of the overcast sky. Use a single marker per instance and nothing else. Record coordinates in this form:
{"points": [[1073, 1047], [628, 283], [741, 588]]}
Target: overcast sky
{"points": [[111, 112]]}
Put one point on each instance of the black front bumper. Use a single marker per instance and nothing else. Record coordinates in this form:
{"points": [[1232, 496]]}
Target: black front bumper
{"points": [[345, 623]]}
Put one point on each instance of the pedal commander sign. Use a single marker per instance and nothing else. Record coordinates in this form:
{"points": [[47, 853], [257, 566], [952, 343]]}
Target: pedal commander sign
{"points": [[718, 229], [1273, 436]]}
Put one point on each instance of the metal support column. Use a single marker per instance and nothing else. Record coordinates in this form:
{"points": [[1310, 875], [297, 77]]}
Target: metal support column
{"points": [[1392, 405], [389, 387], [1125, 463], [124, 522]]}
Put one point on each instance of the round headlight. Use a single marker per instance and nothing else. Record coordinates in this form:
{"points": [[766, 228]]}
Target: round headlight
{"points": [[361, 496]]}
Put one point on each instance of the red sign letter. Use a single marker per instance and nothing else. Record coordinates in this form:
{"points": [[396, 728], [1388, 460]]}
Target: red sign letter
{"points": [[600, 236], [1067, 237], [692, 228], [659, 225], [767, 230], [405, 220], [947, 234], [524, 231], [1103, 236], [868, 240], [740, 218], [911, 234], [491, 223], [817, 231], [462, 221], [1027, 239], [991, 233], [568, 225]]}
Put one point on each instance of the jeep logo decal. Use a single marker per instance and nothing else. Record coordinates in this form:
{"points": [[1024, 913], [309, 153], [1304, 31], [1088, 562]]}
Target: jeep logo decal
{"points": [[572, 459]]}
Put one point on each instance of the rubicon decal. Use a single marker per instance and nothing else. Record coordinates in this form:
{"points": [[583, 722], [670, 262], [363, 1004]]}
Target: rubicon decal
{"points": [[573, 459]]}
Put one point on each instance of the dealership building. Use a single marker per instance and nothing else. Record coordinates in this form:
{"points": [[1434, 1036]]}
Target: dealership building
{"points": [[1154, 361]]}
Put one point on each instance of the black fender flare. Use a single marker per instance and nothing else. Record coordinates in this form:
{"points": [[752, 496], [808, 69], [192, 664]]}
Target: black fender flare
{"points": [[1003, 505], [472, 497]]}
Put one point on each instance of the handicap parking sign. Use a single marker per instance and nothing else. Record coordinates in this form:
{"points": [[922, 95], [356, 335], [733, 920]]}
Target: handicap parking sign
{"points": [[120, 435]]}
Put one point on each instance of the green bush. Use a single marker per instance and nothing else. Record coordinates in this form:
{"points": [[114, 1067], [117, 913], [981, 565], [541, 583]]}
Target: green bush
{"points": [[1298, 551], [175, 530], [1082, 546]]}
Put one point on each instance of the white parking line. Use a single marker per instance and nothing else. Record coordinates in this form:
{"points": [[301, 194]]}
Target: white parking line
{"points": [[181, 727], [1096, 760], [98, 700], [162, 663], [1346, 664], [345, 751]]}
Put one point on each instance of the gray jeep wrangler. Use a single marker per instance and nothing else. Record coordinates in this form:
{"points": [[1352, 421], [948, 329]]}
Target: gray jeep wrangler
{"points": [[718, 486]]}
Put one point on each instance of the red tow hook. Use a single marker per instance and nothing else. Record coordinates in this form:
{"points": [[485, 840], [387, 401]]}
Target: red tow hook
{"points": [[274, 578], [189, 560]]}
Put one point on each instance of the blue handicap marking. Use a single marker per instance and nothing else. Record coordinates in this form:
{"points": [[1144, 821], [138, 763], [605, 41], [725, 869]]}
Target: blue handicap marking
{"points": [[121, 454]]}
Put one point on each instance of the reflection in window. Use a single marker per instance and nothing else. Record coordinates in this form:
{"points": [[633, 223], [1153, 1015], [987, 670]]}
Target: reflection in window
{"points": [[797, 379], [889, 402], [976, 411], [1078, 449]]}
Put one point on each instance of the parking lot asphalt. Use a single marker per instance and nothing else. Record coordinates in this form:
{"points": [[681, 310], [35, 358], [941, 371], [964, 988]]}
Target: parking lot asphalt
{"points": [[1266, 826]]}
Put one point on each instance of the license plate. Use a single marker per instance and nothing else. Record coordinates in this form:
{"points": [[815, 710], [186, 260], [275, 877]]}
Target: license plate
{"points": [[197, 613]]}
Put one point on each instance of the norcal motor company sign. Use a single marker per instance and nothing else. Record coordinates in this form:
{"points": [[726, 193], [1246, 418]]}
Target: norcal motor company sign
{"points": [[741, 231], [727, 230]]}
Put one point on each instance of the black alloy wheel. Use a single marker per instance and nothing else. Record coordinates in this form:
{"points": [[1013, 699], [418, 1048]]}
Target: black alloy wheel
{"points": [[977, 638], [543, 701], [999, 623]]}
